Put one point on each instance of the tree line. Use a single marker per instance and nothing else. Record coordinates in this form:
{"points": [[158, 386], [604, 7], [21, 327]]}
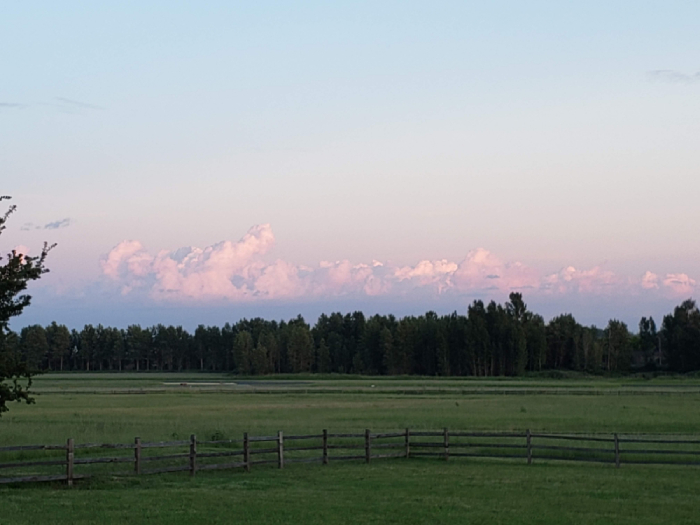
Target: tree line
{"points": [[490, 340]]}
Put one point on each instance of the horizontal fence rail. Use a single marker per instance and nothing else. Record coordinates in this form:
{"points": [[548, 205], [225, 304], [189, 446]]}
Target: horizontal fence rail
{"points": [[38, 463]]}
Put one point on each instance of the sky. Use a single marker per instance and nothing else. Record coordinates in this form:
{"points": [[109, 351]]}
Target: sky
{"points": [[199, 162]]}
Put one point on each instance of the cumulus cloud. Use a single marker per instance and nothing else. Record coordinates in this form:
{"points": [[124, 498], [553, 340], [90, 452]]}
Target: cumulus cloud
{"points": [[428, 271], [239, 271], [650, 281], [679, 284], [593, 281], [481, 269]]}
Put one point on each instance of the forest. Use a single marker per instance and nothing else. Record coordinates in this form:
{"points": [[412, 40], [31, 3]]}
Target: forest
{"points": [[490, 340]]}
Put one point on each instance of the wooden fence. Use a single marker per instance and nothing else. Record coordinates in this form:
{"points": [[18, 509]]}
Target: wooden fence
{"points": [[70, 462]]}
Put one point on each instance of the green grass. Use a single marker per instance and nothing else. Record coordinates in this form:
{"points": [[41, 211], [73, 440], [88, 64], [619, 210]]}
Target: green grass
{"points": [[120, 418], [394, 491], [387, 491]]}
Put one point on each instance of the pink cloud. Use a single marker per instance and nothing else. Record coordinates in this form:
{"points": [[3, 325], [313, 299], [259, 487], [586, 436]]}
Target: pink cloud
{"points": [[238, 271], [650, 281], [280, 280], [481, 269], [679, 284], [126, 256], [593, 281], [427, 272]]}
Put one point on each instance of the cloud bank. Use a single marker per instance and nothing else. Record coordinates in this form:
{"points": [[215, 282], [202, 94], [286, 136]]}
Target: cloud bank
{"points": [[240, 271]]}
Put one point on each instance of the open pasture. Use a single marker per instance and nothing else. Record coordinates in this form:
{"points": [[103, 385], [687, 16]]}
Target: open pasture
{"points": [[112, 408]]}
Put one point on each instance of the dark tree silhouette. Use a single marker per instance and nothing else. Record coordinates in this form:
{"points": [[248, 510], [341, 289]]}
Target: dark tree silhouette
{"points": [[16, 271]]}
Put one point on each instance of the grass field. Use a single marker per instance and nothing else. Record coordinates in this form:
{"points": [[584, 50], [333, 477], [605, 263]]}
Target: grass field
{"points": [[116, 408]]}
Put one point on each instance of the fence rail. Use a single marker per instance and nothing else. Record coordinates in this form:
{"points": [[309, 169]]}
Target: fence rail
{"points": [[33, 463]]}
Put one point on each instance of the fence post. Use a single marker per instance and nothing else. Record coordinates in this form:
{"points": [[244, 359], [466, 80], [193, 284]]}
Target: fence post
{"points": [[137, 455], [246, 451], [280, 449], [368, 446], [447, 444], [325, 446], [529, 447], [407, 439], [617, 452], [70, 454], [193, 455]]}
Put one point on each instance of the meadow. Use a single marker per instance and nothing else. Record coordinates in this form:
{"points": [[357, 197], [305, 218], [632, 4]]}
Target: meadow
{"points": [[118, 407]]}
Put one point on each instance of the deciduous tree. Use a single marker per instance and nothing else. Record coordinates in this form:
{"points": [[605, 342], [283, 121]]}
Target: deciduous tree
{"points": [[17, 270]]}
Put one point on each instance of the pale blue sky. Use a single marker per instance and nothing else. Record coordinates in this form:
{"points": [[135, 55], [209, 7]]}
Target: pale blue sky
{"points": [[392, 131]]}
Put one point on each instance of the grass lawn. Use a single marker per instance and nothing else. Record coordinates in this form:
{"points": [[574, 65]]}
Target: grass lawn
{"points": [[393, 491], [386, 491]]}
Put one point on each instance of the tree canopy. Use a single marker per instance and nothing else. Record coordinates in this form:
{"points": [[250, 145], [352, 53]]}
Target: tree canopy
{"points": [[490, 340], [16, 271]]}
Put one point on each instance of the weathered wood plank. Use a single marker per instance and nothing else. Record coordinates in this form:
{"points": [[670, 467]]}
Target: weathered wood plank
{"points": [[368, 446], [193, 455], [490, 434], [246, 451], [16, 448], [166, 469], [69, 462], [446, 439], [488, 445], [478, 455], [390, 435], [168, 456], [137, 455], [110, 446], [573, 438], [280, 449], [661, 441], [659, 451], [33, 463], [572, 449], [220, 442], [220, 454], [165, 444], [90, 461], [254, 439]]}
